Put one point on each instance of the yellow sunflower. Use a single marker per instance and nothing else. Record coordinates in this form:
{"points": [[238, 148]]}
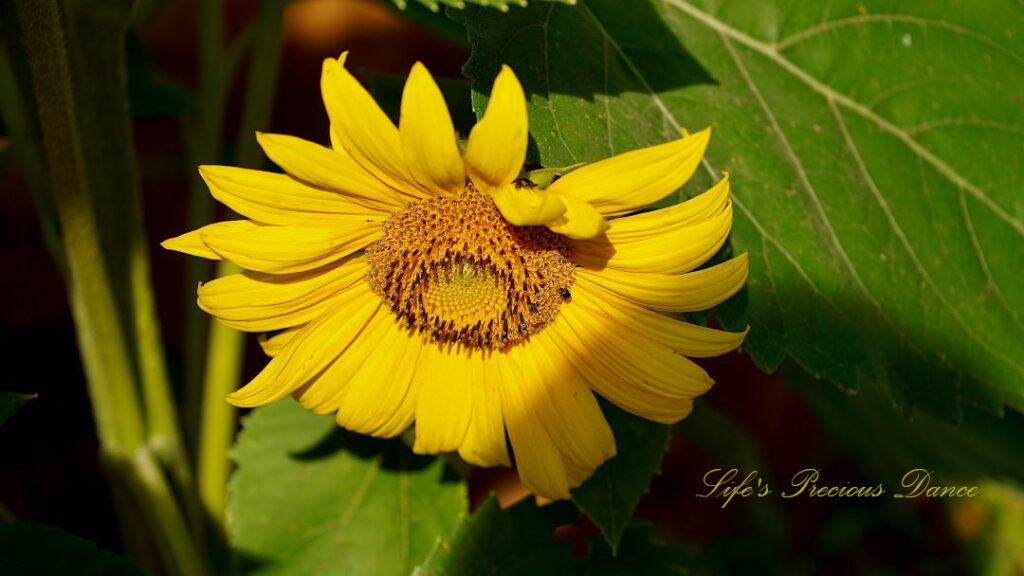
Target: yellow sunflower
{"points": [[399, 277]]}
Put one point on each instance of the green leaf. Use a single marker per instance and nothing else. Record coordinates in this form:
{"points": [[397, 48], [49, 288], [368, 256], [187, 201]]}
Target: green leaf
{"points": [[503, 542], [310, 498], [874, 152], [641, 554], [10, 402], [41, 550], [983, 447], [612, 493]]}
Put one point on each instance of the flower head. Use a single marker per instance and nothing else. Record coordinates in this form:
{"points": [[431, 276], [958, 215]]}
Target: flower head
{"points": [[398, 278]]}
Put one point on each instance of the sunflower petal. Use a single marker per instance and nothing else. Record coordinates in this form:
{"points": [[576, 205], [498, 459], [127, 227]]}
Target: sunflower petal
{"points": [[363, 130], [312, 350], [281, 200], [192, 242], [527, 206], [632, 180], [497, 144], [631, 393], [445, 402], [688, 292], [538, 459], [272, 345], [694, 211], [673, 251], [259, 302], [579, 221], [283, 249], [428, 136], [685, 338], [484, 444], [320, 167], [565, 404], [370, 401]]}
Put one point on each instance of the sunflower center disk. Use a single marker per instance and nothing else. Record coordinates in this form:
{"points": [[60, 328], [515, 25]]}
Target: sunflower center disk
{"points": [[454, 269]]}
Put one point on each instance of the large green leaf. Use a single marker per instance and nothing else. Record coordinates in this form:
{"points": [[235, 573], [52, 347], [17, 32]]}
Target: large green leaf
{"points": [[43, 551], [611, 494], [874, 149], [502, 542], [309, 498]]}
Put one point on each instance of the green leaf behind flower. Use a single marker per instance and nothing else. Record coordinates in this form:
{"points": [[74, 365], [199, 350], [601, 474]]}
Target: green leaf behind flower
{"points": [[310, 498], [874, 151], [10, 402], [611, 494]]}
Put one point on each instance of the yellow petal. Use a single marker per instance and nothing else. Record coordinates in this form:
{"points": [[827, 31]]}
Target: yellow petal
{"points": [[683, 337], [284, 249], [363, 130], [484, 444], [632, 180], [632, 355], [604, 375], [527, 206], [376, 392], [537, 457], [673, 292], [320, 167], [192, 242], [497, 144], [281, 200], [323, 393], [445, 402], [428, 136], [259, 302], [564, 404], [673, 251], [694, 211], [579, 221], [272, 345], [312, 350]]}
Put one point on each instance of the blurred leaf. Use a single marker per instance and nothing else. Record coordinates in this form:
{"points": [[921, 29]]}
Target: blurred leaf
{"points": [[502, 542], [640, 554], [310, 498], [42, 551], [873, 150], [890, 444], [502, 5], [612, 493], [150, 92], [10, 402], [992, 527]]}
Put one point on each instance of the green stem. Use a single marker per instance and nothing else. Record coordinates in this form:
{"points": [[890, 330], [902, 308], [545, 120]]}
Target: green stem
{"points": [[226, 346], [101, 341], [105, 354], [203, 143]]}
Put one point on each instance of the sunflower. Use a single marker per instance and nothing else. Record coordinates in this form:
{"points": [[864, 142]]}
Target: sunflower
{"points": [[401, 277]]}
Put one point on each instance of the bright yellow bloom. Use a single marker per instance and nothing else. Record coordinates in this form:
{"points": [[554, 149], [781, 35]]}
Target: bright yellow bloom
{"points": [[405, 279]]}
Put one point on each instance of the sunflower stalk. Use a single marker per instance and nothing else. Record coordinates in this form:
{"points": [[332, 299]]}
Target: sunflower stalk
{"points": [[106, 355], [226, 346]]}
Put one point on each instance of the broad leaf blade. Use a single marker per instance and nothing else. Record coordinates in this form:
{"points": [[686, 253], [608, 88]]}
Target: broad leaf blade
{"points": [[612, 493], [873, 151], [310, 498], [502, 542]]}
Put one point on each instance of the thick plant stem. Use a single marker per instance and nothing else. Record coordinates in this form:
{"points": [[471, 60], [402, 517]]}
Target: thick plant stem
{"points": [[105, 354], [226, 345]]}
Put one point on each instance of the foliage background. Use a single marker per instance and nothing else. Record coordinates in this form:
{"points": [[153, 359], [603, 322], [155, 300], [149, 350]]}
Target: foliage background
{"points": [[876, 153]]}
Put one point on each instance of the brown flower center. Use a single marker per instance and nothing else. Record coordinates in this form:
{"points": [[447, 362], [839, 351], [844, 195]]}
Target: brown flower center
{"points": [[454, 269]]}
